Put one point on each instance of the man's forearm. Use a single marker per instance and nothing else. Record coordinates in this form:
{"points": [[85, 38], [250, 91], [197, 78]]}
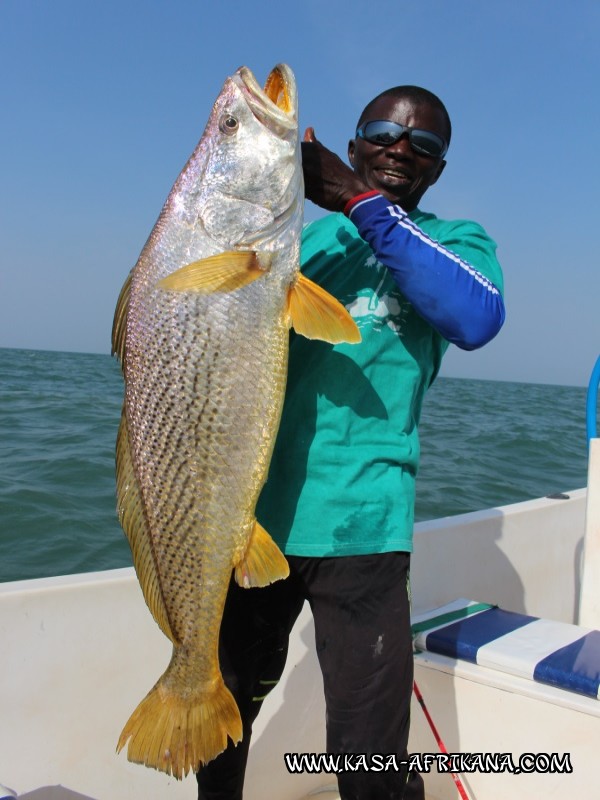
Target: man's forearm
{"points": [[451, 294]]}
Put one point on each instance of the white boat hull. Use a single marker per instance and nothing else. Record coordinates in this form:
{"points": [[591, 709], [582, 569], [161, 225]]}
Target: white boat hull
{"points": [[479, 710], [79, 652]]}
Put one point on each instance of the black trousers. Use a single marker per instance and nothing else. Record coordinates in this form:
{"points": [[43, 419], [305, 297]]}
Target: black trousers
{"points": [[361, 611]]}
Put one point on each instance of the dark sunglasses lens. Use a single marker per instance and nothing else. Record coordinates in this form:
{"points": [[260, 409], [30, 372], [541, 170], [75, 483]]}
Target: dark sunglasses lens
{"points": [[382, 132], [427, 142]]}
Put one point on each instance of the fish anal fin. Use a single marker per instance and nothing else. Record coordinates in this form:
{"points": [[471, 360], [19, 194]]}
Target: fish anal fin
{"points": [[133, 522], [262, 563], [224, 272], [177, 734], [316, 314]]}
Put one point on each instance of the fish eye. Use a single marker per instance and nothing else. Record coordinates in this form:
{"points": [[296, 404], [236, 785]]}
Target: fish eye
{"points": [[228, 124]]}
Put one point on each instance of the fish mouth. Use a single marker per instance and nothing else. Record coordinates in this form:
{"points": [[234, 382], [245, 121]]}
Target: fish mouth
{"points": [[276, 106]]}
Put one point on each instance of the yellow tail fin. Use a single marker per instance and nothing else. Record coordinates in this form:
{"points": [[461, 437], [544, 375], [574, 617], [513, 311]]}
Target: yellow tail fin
{"points": [[176, 734]]}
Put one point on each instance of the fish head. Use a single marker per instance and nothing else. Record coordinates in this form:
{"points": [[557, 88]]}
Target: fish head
{"points": [[243, 184]]}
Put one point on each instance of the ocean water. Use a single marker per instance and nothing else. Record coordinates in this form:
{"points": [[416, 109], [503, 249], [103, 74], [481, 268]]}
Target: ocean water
{"points": [[483, 443]]}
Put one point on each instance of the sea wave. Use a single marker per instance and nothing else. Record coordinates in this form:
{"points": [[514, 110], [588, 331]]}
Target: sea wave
{"points": [[483, 443]]}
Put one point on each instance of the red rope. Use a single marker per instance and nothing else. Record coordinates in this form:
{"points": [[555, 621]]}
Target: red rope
{"points": [[455, 777]]}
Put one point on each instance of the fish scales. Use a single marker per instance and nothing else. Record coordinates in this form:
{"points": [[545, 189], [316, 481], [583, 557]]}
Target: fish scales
{"points": [[202, 332], [197, 470]]}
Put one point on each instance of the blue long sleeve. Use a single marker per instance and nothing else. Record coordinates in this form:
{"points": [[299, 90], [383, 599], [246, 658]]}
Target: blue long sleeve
{"points": [[453, 295]]}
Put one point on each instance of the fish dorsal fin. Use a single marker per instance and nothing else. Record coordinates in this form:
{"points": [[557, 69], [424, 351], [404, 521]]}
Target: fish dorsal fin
{"points": [[262, 563], [119, 328], [224, 272], [316, 314], [133, 521]]}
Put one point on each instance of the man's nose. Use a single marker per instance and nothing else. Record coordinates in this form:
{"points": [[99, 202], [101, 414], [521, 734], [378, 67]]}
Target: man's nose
{"points": [[402, 148]]}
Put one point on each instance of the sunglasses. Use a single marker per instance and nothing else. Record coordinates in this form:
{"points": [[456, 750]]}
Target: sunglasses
{"points": [[384, 132]]}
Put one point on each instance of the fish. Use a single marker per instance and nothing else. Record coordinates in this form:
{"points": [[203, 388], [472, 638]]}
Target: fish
{"points": [[201, 329]]}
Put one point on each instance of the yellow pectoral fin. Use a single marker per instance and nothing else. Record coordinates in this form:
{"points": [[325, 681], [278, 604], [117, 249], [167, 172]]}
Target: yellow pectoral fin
{"points": [[263, 561], [224, 272], [316, 314]]}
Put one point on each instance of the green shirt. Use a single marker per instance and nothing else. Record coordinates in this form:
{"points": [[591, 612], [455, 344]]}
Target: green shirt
{"points": [[342, 477]]}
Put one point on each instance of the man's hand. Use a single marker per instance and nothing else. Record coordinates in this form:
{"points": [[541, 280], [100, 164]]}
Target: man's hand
{"points": [[328, 181]]}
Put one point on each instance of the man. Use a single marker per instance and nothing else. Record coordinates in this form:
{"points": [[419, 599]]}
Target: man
{"points": [[340, 496]]}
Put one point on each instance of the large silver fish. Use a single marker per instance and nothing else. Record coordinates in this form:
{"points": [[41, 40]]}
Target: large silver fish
{"points": [[201, 328]]}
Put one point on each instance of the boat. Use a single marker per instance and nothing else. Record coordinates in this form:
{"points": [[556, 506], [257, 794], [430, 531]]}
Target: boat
{"points": [[78, 649]]}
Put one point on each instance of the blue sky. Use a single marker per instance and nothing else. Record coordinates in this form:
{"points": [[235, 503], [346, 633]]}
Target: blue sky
{"points": [[102, 101]]}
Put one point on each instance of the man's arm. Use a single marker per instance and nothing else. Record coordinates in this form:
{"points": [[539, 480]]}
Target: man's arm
{"points": [[453, 295]]}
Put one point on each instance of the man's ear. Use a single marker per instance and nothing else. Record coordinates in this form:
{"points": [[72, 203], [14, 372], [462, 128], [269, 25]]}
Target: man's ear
{"points": [[351, 152]]}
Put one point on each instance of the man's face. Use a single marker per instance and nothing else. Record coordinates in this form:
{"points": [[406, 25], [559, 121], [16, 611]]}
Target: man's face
{"points": [[397, 171]]}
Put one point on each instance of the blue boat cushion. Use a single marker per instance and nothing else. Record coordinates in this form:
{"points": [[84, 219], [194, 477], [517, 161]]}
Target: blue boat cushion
{"points": [[555, 653]]}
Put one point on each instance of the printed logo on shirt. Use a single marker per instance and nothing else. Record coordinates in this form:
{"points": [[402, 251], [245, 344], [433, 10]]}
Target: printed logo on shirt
{"points": [[380, 307]]}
